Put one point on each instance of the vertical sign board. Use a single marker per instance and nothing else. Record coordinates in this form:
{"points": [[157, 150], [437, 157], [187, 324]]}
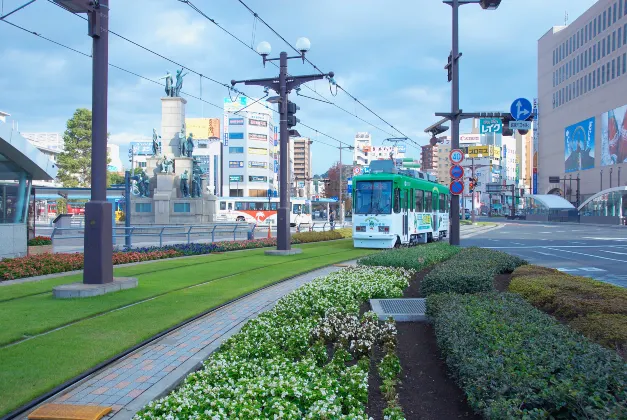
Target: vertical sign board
{"points": [[535, 146]]}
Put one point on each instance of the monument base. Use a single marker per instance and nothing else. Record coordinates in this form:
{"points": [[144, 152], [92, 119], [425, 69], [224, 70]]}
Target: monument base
{"points": [[280, 252], [82, 290]]}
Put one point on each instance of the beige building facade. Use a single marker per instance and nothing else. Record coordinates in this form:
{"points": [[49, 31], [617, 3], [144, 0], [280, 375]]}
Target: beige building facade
{"points": [[582, 102]]}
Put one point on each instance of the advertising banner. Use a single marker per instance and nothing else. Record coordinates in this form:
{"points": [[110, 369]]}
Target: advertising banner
{"points": [[225, 134], [485, 151], [236, 121], [257, 151], [276, 166], [579, 146], [253, 164], [255, 136], [236, 136], [614, 136], [470, 138], [234, 106], [203, 128], [402, 148], [257, 123], [236, 178], [142, 148], [256, 178], [236, 164]]}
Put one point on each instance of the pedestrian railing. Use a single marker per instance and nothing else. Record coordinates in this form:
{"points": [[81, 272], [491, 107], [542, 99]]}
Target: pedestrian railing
{"points": [[190, 232]]}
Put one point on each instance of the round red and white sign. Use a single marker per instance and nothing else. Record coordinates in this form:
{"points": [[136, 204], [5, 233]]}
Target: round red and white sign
{"points": [[456, 156], [356, 170]]}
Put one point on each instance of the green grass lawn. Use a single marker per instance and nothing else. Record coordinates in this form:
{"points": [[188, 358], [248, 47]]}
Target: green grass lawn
{"points": [[468, 222], [34, 366]]}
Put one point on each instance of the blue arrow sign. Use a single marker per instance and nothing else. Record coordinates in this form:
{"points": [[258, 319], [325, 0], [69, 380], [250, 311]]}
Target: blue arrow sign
{"points": [[521, 109], [457, 187], [457, 171]]}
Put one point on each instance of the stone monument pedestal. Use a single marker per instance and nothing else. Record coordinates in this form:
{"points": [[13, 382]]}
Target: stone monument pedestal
{"points": [[172, 120]]}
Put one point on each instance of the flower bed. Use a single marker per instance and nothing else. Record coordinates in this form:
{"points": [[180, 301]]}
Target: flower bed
{"points": [[514, 361], [296, 360], [472, 270], [596, 309], [38, 265], [40, 240], [415, 258]]}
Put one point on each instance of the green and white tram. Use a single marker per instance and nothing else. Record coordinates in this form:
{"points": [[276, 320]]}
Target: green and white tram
{"points": [[392, 209]]}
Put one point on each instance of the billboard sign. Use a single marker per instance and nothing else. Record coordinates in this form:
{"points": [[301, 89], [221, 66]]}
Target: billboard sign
{"points": [[470, 138], [485, 151], [614, 136], [253, 164], [236, 164], [236, 121], [236, 178], [142, 148], [257, 123], [203, 128], [236, 136], [402, 148], [257, 151], [535, 146], [579, 146], [255, 136]]}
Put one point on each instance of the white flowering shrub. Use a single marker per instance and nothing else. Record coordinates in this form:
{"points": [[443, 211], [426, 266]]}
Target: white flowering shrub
{"points": [[279, 365]]}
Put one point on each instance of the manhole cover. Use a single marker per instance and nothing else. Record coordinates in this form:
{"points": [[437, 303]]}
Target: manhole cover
{"points": [[401, 310]]}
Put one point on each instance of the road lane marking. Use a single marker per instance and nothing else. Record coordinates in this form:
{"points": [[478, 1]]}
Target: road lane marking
{"points": [[544, 253], [614, 252], [588, 255], [556, 246]]}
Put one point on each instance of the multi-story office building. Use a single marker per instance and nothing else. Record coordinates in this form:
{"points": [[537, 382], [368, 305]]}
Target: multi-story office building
{"points": [[444, 163], [249, 145], [582, 102], [429, 159], [363, 146], [302, 164], [50, 141]]}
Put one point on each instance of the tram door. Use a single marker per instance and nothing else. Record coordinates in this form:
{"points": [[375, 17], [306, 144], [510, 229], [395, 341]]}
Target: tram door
{"points": [[405, 213]]}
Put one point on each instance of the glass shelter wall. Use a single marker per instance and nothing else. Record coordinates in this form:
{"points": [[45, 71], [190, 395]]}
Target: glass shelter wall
{"points": [[613, 204], [14, 193]]}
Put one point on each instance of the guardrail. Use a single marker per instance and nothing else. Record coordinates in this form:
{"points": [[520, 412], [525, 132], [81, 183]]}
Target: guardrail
{"points": [[209, 231]]}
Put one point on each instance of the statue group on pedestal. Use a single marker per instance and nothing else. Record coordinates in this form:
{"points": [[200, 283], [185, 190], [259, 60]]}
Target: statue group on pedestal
{"points": [[196, 182], [141, 184], [186, 147], [174, 90], [167, 165]]}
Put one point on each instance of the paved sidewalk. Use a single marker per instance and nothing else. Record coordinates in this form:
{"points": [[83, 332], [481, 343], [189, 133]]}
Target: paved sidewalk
{"points": [[129, 384]]}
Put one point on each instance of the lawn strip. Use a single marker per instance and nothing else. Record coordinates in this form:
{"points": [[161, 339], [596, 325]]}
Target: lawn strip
{"points": [[41, 313], [38, 365]]}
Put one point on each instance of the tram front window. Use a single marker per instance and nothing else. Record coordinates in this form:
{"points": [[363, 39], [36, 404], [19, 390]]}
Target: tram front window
{"points": [[373, 197]]}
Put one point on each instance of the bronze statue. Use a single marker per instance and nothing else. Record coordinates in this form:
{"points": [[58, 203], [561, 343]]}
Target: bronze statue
{"points": [[189, 145], [166, 165], [169, 88], [185, 184], [179, 82], [155, 143]]}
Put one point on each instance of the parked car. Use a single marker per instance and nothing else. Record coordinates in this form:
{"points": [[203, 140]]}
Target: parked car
{"points": [[466, 215]]}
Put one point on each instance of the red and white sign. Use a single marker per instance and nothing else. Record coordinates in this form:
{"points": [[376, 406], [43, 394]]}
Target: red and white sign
{"points": [[357, 170], [456, 156]]}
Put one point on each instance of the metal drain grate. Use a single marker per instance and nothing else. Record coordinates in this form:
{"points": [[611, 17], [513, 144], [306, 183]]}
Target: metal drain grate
{"points": [[401, 310]]}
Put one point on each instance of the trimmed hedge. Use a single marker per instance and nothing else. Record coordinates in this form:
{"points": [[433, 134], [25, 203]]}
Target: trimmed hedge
{"points": [[315, 236], [596, 309], [514, 361], [472, 270], [415, 258]]}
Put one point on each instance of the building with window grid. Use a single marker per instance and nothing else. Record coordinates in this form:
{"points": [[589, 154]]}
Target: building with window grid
{"points": [[582, 102]]}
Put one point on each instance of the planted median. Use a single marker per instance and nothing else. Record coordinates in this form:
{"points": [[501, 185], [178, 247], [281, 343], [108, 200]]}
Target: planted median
{"points": [[95, 329]]}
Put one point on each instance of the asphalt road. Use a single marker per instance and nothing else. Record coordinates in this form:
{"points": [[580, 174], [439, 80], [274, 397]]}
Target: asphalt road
{"points": [[584, 250]]}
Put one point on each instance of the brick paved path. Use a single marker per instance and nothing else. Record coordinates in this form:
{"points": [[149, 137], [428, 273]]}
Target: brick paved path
{"points": [[130, 383]]}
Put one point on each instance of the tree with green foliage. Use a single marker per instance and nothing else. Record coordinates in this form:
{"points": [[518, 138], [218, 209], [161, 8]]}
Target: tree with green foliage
{"points": [[75, 161], [114, 178]]}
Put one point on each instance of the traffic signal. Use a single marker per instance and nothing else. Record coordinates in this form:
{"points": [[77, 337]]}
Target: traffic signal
{"points": [[449, 67], [506, 130], [471, 184], [291, 110], [435, 131]]}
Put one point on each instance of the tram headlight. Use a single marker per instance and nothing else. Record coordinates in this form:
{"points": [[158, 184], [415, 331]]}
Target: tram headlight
{"points": [[384, 229]]}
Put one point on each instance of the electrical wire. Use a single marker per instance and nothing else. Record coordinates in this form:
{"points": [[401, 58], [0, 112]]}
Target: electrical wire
{"points": [[139, 75], [195, 8], [321, 72]]}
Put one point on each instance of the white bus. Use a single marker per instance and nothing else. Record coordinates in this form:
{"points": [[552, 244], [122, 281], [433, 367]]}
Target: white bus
{"points": [[262, 211]]}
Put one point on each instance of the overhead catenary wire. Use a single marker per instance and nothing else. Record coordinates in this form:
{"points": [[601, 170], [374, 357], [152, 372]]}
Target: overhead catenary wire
{"points": [[137, 74], [321, 72], [250, 47]]}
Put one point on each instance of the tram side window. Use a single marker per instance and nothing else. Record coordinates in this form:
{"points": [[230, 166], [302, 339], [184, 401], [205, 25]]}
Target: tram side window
{"points": [[397, 200], [222, 205], [404, 199], [428, 201], [411, 199], [442, 207], [420, 200], [274, 205]]}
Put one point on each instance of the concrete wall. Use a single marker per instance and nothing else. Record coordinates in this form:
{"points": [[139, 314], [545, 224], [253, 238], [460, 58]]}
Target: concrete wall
{"points": [[13, 242]]}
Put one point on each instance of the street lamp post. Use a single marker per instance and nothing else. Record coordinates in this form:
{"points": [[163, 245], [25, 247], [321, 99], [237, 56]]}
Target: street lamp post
{"points": [[455, 111], [283, 85], [98, 252]]}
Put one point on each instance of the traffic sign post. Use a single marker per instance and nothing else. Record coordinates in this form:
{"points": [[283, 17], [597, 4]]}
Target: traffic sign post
{"points": [[457, 187], [357, 170], [456, 156], [456, 172], [520, 125], [491, 125], [521, 109]]}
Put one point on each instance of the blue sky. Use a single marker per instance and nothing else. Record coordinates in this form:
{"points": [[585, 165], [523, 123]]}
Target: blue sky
{"points": [[389, 54]]}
